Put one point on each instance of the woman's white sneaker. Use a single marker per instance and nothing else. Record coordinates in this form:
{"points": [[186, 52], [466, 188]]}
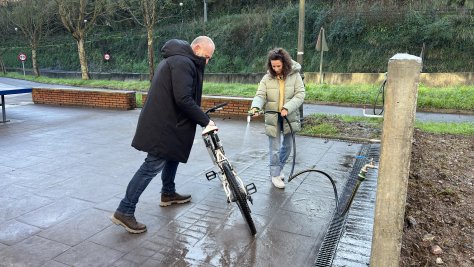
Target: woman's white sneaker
{"points": [[277, 182]]}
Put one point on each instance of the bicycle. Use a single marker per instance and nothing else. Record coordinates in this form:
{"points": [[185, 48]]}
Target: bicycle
{"points": [[234, 187]]}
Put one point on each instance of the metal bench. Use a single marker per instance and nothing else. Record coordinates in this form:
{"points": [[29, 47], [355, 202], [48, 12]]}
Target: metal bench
{"points": [[12, 91]]}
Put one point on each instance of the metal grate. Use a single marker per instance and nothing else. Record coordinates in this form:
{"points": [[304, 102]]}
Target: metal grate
{"points": [[331, 239]]}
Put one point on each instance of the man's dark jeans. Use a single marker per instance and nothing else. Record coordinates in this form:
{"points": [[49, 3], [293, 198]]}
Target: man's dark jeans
{"points": [[149, 169]]}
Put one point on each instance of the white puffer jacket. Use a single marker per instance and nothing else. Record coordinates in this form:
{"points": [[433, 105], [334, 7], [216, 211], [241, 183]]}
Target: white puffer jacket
{"points": [[268, 95]]}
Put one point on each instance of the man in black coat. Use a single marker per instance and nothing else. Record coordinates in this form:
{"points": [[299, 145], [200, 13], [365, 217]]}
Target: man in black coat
{"points": [[167, 124]]}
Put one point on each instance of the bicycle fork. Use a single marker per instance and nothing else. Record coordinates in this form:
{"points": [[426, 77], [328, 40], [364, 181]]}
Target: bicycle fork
{"points": [[216, 151]]}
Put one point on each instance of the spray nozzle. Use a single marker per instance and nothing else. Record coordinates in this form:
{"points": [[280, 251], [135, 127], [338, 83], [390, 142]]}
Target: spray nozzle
{"points": [[253, 111]]}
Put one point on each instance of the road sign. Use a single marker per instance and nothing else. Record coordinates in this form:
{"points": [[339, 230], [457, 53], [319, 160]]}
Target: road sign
{"points": [[321, 43], [322, 46], [107, 56], [22, 57]]}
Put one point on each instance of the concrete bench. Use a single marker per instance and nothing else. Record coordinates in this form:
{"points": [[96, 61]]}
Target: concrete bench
{"points": [[100, 98], [12, 91]]}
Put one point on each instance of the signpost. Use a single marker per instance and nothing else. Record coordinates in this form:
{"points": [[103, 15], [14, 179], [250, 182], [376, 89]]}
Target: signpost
{"points": [[321, 45], [22, 57]]}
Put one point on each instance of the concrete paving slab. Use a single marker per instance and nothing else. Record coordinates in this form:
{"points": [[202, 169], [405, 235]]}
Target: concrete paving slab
{"points": [[12, 232], [34, 251], [81, 162]]}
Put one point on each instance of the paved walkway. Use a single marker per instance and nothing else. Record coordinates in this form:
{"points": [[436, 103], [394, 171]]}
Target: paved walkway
{"points": [[64, 170]]}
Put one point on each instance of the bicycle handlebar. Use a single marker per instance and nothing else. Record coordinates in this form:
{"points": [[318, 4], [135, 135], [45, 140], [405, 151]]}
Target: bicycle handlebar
{"points": [[217, 107]]}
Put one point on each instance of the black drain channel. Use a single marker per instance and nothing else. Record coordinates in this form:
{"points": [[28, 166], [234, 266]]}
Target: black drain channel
{"points": [[329, 245]]}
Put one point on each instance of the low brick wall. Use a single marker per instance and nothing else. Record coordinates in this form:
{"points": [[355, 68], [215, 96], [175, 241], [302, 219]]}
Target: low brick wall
{"points": [[236, 106], [108, 99]]}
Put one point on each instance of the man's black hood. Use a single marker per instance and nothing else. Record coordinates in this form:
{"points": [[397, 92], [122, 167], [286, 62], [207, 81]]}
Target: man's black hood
{"points": [[179, 47]]}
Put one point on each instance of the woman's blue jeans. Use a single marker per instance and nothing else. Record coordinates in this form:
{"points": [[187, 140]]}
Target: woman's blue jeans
{"points": [[149, 169], [279, 149]]}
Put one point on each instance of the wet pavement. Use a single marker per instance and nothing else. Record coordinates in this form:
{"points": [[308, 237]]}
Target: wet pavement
{"points": [[63, 171]]}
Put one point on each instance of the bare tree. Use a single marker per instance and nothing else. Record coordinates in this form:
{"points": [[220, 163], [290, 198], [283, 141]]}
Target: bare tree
{"points": [[3, 27], [79, 17], [150, 12], [32, 19]]}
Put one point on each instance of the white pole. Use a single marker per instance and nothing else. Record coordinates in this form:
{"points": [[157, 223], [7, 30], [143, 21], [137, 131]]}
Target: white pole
{"points": [[23, 63], [321, 68], [205, 11]]}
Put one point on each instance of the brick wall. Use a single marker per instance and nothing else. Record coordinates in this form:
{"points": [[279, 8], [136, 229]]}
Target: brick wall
{"points": [[109, 99], [237, 106]]}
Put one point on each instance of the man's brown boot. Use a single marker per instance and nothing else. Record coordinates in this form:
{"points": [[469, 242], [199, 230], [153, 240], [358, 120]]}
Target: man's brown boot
{"points": [[129, 223], [173, 198]]}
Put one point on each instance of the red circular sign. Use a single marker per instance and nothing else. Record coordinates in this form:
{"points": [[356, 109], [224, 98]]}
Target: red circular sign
{"points": [[107, 56], [22, 57]]}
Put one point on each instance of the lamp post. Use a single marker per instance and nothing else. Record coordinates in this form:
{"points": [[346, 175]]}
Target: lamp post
{"points": [[181, 15], [300, 51], [205, 11]]}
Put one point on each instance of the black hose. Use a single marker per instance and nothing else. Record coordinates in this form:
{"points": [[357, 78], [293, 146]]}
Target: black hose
{"points": [[292, 137], [380, 92], [291, 176], [323, 173], [294, 148]]}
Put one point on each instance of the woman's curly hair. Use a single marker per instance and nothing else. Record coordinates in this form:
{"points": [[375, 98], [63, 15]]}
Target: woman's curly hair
{"points": [[282, 55]]}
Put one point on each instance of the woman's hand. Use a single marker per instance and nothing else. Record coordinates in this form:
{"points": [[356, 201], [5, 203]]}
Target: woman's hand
{"points": [[284, 112], [254, 112]]}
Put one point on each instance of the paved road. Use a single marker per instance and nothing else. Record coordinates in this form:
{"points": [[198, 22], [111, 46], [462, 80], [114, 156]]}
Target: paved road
{"points": [[421, 116]]}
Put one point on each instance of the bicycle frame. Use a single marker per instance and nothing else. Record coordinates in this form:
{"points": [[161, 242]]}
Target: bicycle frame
{"points": [[234, 187], [216, 151]]}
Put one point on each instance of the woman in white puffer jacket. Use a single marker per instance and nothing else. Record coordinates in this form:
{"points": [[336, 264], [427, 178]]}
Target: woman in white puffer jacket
{"points": [[281, 90]]}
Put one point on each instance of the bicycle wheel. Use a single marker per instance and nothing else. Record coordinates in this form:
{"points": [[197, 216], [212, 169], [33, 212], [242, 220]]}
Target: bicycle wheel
{"points": [[240, 197]]}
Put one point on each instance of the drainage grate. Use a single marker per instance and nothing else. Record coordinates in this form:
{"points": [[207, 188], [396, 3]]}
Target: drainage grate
{"points": [[329, 244]]}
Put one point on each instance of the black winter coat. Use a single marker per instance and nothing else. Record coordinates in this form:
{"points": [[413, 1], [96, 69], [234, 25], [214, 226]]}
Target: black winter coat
{"points": [[167, 122]]}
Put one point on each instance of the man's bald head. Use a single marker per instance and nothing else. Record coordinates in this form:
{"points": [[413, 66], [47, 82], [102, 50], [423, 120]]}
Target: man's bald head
{"points": [[203, 46]]}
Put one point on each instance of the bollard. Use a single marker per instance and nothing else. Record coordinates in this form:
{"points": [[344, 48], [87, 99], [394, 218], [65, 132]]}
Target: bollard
{"points": [[399, 118]]}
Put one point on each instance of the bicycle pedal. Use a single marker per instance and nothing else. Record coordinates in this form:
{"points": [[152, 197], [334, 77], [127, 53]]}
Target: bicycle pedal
{"points": [[251, 188], [250, 199], [211, 175]]}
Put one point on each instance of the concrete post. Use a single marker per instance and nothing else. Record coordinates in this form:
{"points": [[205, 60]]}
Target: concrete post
{"points": [[399, 118]]}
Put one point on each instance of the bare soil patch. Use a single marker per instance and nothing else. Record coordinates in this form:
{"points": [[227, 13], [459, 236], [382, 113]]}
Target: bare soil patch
{"points": [[439, 215]]}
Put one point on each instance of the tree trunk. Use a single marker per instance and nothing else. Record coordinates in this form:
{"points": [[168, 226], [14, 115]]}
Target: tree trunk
{"points": [[35, 62], [2, 67], [151, 64], [82, 59]]}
